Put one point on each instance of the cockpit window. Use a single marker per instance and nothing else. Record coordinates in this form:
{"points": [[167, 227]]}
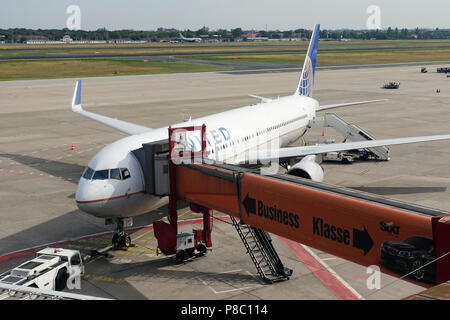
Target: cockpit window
{"points": [[125, 174], [100, 175], [115, 174], [88, 173]]}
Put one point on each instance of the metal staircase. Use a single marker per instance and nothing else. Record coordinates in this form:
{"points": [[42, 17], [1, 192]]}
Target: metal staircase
{"points": [[350, 132], [260, 249]]}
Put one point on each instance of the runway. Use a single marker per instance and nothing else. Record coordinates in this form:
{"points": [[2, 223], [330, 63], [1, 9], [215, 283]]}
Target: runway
{"points": [[252, 49], [40, 171]]}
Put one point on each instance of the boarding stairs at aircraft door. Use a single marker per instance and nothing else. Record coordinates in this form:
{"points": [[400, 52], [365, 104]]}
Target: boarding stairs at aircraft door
{"points": [[351, 132], [260, 249]]}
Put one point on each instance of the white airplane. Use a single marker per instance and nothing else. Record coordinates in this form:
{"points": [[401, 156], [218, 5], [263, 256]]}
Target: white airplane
{"points": [[112, 186], [190, 39]]}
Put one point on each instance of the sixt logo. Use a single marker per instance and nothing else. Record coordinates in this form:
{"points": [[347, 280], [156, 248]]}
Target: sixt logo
{"points": [[273, 213], [389, 227]]}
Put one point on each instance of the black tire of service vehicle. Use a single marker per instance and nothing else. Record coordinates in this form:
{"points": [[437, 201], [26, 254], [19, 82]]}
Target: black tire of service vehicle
{"points": [[180, 257], [61, 279], [419, 274], [201, 249]]}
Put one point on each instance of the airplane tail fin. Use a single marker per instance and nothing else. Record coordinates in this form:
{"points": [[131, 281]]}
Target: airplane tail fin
{"points": [[306, 83], [76, 101]]}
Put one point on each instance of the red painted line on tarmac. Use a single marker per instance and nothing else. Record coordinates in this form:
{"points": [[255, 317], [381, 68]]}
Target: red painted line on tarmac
{"points": [[22, 253], [17, 254], [25, 252], [325, 276]]}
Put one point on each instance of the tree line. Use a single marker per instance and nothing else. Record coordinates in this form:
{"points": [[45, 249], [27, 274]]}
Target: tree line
{"points": [[22, 34]]}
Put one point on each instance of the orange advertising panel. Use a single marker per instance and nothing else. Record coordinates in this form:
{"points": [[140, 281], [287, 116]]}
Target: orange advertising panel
{"points": [[357, 230], [207, 189], [363, 231]]}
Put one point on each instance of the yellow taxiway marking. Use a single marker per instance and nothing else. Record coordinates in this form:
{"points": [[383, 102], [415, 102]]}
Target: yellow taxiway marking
{"points": [[180, 215], [197, 214], [364, 172], [341, 182], [141, 235], [184, 213], [92, 260], [151, 248], [102, 278]]}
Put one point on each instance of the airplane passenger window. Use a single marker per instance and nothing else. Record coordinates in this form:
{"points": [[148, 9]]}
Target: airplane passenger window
{"points": [[125, 174], [100, 175], [88, 173], [115, 174]]}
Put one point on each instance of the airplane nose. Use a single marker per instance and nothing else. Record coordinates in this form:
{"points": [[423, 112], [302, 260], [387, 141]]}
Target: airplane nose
{"points": [[84, 192], [89, 196]]}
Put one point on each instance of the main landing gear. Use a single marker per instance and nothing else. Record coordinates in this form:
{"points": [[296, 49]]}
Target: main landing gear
{"points": [[120, 238]]}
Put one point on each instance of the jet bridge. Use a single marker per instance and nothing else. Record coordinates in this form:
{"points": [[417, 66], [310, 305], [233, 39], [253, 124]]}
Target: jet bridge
{"points": [[351, 132], [404, 239]]}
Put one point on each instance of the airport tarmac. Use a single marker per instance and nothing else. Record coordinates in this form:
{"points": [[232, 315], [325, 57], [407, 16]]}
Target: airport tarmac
{"points": [[40, 172]]}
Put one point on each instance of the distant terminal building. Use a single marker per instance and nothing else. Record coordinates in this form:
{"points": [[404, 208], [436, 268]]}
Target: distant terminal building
{"points": [[258, 39], [67, 39], [36, 39]]}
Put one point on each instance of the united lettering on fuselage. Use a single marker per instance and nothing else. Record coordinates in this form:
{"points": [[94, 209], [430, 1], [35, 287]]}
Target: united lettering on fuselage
{"points": [[218, 136]]}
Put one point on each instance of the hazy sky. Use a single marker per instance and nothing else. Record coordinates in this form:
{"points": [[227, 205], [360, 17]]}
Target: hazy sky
{"points": [[215, 14]]}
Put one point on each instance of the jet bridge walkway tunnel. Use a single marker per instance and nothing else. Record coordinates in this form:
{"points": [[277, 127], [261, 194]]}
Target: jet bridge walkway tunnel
{"points": [[401, 238], [360, 227]]}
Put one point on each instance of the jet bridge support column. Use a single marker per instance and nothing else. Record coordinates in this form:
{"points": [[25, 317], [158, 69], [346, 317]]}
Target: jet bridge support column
{"points": [[441, 236], [205, 234], [178, 153]]}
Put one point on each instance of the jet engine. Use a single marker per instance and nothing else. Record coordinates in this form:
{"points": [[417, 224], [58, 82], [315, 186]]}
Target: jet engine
{"points": [[307, 168]]}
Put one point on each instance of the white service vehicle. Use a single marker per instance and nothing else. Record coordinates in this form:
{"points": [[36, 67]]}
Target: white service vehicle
{"points": [[187, 247], [338, 157], [49, 270]]}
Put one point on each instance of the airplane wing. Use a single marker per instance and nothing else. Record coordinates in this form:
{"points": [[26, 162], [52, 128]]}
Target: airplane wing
{"points": [[292, 152], [123, 126], [330, 106], [264, 100]]}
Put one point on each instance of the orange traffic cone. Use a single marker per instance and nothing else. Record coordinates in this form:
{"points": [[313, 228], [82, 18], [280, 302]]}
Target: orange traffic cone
{"points": [[323, 132], [73, 148]]}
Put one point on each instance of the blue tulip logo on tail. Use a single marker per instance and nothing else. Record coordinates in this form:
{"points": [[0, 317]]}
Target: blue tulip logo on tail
{"points": [[306, 83], [307, 79]]}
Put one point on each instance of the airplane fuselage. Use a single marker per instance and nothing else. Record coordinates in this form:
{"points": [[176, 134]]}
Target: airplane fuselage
{"points": [[113, 184]]}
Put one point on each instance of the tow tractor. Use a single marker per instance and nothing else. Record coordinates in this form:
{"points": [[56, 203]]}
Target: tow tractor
{"points": [[338, 157], [348, 156], [391, 85], [187, 248], [49, 270]]}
